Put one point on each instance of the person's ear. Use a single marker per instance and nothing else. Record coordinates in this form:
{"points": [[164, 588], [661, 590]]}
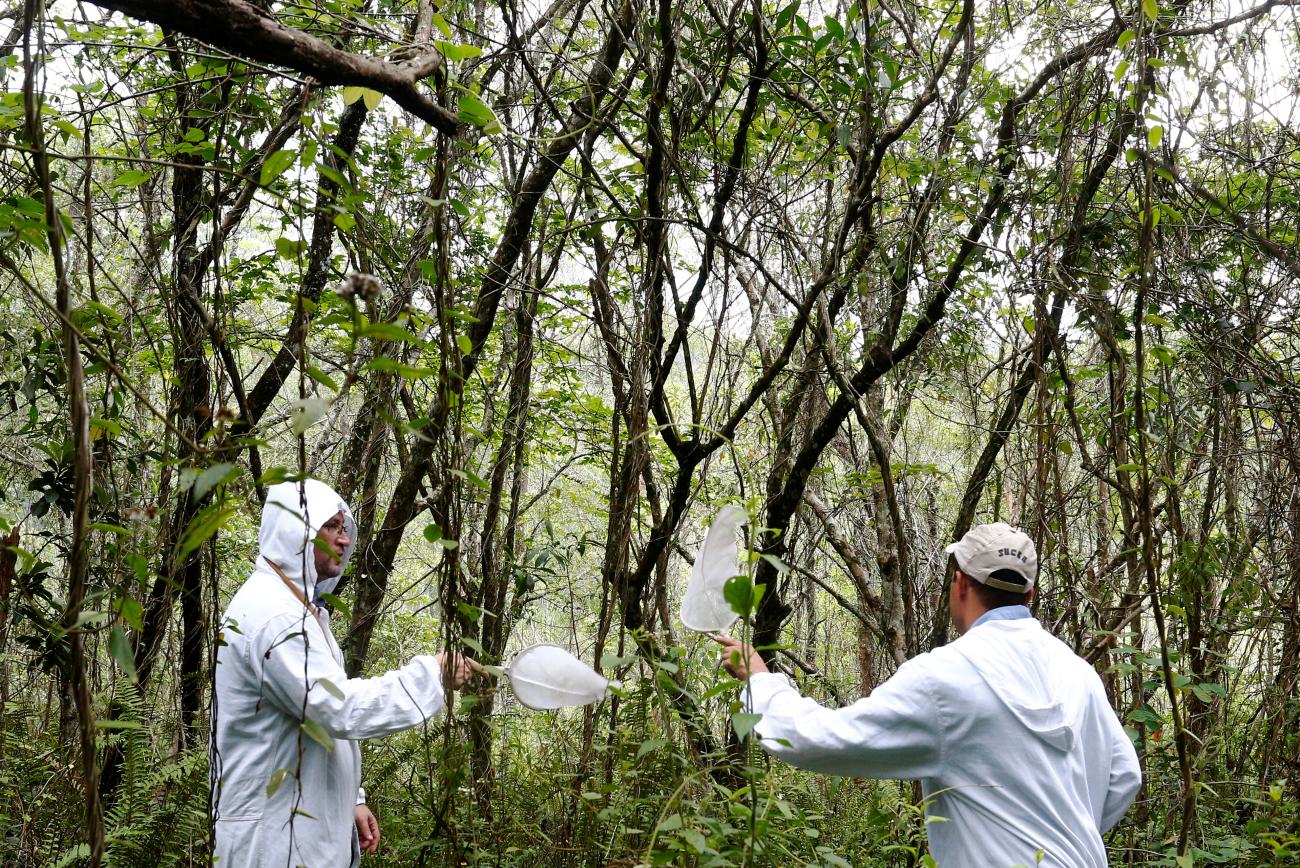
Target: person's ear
{"points": [[959, 580]]}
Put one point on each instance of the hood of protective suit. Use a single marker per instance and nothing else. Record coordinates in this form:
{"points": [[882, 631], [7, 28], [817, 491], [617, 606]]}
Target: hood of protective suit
{"points": [[292, 516], [1024, 683]]}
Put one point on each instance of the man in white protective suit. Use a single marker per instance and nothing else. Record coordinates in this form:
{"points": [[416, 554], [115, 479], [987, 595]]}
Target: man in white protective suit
{"points": [[1008, 730], [286, 768]]}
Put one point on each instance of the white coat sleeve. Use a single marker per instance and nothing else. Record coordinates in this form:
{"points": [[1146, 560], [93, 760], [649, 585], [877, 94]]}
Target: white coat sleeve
{"points": [[896, 732], [1125, 776], [294, 658]]}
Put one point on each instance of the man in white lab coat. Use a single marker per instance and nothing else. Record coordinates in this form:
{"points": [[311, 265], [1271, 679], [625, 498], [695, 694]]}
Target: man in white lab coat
{"points": [[1009, 732], [286, 768]]}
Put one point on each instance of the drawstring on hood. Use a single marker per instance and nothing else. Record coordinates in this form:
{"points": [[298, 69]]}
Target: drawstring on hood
{"points": [[292, 517], [1025, 685]]}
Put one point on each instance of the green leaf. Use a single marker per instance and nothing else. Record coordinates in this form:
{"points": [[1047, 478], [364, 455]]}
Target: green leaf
{"points": [[1145, 715], [670, 824], [118, 724], [201, 528], [352, 94], [387, 331], [276, 164], [466, 346], [130, 178], [650, 745], [700, 844], [745, 723], [277, 778], [1164, 355], [345, 221], [337, 604], [140, 566], [318, 734], [1125, 38], [409, 372], [784, 17], [323, 378], [276, 475], [433, 533], [217, 474], [335, 176], [738, 592], [742, 595], [454, 52], [331, 688], [1154, 135], [120, 650], [288, 249], [87, 618], [371, 98], [1151, 9], [613, 661], [102, 309], [130, 611], [473, 110]]}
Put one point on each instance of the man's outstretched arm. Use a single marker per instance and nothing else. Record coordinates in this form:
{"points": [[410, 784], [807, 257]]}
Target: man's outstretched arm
{"points": [[897, 732], [299, 673]]}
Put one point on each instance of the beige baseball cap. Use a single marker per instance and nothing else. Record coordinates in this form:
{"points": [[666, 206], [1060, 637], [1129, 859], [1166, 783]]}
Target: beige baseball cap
{"points": [[991, 547]]}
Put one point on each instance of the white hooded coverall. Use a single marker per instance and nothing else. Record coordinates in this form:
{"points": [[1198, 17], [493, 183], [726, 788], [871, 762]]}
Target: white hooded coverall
{"points": [[272, 668], [1008, 730]]}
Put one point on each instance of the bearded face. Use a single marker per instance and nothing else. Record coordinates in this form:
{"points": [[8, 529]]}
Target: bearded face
{"points": [[331, 542]]}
